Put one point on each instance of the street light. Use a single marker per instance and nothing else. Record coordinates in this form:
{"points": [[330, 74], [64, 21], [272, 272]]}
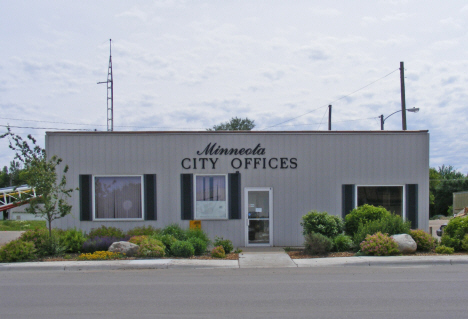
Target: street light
{"points": [[382, 119]]}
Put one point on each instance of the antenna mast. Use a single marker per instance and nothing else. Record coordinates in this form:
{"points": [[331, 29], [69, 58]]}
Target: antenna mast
{"points": [[110, 92]]}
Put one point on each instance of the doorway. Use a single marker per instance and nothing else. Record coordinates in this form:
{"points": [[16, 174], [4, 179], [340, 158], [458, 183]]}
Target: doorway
{"points": [[259, 216]]}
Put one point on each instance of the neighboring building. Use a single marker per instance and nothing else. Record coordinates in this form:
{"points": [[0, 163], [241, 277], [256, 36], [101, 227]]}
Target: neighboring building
{"points": [[460, 201], [250, 187]]}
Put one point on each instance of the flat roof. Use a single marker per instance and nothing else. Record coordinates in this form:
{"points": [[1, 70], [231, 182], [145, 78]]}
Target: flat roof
{"points": [[235, 132]]}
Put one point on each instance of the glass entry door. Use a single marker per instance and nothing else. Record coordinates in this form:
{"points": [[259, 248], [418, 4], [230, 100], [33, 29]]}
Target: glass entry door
{"points": [[259, 209]]}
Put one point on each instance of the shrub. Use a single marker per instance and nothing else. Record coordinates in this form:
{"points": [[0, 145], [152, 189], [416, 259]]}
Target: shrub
{"points": [[322, 223], [38, 237], [17, 250], [342, 242], [444, 250], [464, 243], [151, 248], [137, 240], [104, 231], [424, 241], [198, 244], [73, 240], [455, 232], [174, 230], [167, 240], [218, 252], [448, 241], [379, 245], [390, 224], [101, 255], [182, 249], [52, 246], [198, 233], [100, 243], [143, 230], [362, 215], [226, 243], [317, 244]]}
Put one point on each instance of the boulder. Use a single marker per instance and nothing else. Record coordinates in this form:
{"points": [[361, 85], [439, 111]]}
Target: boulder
{"points": [[124, 247], [406, 243]]}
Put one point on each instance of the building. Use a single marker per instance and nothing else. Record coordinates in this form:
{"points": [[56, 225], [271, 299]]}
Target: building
{"points": [[249, 187]]}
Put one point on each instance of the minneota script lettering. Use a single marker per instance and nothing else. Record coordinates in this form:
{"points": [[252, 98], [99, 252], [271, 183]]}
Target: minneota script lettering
{"points": [[213, 150]]}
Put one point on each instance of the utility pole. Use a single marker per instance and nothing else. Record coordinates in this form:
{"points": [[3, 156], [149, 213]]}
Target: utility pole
{"points": [[403, 99], [329, 117], [110, 92]]}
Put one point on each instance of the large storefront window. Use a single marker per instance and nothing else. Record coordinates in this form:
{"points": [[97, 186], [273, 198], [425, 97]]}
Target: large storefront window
{"points": [[118, 197], [389, 197], [210, 197]]}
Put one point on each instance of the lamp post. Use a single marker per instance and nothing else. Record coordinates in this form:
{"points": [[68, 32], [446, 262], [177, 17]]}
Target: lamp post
{"points": [[382, 119]]}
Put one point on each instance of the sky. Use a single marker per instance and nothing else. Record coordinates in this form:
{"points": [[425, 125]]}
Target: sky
{"points": [[189, 65]]}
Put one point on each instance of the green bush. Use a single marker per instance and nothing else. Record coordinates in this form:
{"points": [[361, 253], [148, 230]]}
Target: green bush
{"points": [[218, 252], [448, 241], [38, 237], [198, 233], [182, 249], [72, 239], [198, 244], [17, 250], [174, 230], [322, 223], [226, 243], [455, 232], [167, 240], [104, 231], [342, 242], [444, 250], [137, 240], [464, 243], [424, 241], [362, 215], [379, 245], [143, 230], [317, 244], [390, 224], [151, 248], [52, 246]]}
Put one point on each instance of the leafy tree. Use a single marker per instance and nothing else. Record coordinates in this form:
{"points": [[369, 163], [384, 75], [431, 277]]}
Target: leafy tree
{"points": [[40, 173], [13, 176], [449, 182], [235, 124], [434, 180]]}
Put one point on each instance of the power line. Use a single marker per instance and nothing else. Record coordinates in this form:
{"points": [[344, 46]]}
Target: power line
{"points": [[344, 96]]}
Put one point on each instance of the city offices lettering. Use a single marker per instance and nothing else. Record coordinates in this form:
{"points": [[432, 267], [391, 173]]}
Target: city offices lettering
{"points": [[258, 162]]}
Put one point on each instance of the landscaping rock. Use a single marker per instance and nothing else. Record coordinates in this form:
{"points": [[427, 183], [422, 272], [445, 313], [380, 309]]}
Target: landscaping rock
{"points": [[124, 247], [406, 243]]}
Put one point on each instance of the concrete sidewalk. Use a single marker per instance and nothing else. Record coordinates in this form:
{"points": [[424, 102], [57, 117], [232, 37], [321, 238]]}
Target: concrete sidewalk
{"points": [[248, 259]]}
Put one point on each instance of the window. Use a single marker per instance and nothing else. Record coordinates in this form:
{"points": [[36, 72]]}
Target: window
{"points": [[210, 197], [118, 197], [389, 197]]}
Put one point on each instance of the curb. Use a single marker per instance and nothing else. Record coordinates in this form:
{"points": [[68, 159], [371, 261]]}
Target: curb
{"points": [[233, 264]]}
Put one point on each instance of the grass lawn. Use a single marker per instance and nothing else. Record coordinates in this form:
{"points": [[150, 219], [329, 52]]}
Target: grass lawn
{"points": [[12, 225]]}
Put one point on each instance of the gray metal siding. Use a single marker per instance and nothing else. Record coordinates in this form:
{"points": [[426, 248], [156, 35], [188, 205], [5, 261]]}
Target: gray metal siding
{"points": [[326, 161]]}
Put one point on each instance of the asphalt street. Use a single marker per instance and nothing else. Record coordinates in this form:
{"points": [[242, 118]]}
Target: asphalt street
{"points": [[312, 292]]}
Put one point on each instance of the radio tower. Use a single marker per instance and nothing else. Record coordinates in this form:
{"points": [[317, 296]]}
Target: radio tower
{"points": [[110, 92]]}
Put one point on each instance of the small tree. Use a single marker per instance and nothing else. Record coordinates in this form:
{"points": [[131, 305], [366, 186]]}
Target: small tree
{"points": [[235, 124], [40, 173]]}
